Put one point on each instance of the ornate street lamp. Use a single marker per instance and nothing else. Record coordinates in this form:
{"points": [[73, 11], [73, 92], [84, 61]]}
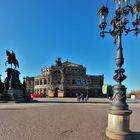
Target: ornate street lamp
{"points": [[136, 14], [118, 114], [103, 12]]}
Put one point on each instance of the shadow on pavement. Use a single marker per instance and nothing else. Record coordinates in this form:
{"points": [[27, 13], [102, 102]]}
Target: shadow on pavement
{"points": [[8, 109], [136, 135], [65, 102]]}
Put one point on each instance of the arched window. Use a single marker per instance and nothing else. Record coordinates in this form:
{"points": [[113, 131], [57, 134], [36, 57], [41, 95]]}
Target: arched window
{"points": [[45, 82], [41, 82], [37, 82], [73, 82]]}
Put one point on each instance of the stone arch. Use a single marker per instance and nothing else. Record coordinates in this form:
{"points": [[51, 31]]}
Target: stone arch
{"points": [[59, 71]]}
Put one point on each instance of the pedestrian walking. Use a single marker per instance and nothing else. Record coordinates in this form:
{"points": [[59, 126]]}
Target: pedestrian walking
{"points": [[82, 97], [78, 97], [86, 98]]}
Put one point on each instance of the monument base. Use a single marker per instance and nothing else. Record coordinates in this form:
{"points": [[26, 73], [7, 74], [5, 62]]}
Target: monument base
{"points": [[17, 94], [13, 95], [118, 125]]}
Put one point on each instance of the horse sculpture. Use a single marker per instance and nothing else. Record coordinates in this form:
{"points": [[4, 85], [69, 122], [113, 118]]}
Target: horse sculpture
{"points": [[11, 59]]}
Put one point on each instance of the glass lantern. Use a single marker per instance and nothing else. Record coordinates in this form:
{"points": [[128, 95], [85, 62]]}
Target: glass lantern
{"points": [[117, 4], [102, 13], [125, 3], [136, 14], [125, 7]]}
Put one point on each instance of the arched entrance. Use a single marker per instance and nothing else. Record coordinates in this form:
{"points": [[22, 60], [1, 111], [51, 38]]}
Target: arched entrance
{"points": [[57, 82], [56, 92]]}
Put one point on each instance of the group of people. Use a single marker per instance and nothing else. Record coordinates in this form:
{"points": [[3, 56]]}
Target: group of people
{"points": [[82, 98]]}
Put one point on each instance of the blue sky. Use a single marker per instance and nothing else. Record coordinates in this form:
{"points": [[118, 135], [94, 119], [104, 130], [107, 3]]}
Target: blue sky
{"points": [[39, 31]]}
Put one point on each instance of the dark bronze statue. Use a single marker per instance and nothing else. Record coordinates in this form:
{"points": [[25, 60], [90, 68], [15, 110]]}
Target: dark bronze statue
{"points": [[11, 59], [58, 61]]}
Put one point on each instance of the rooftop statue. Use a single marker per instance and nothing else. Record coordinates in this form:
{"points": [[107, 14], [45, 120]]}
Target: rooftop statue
{"points": [[58, 61], [11, 59]]}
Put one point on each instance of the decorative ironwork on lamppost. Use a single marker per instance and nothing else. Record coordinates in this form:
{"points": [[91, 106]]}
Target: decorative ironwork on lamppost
{"points": [[118, 23], [119, 26]]}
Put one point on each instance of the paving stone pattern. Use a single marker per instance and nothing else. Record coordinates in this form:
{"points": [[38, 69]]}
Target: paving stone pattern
{"points": [[59, 121]]}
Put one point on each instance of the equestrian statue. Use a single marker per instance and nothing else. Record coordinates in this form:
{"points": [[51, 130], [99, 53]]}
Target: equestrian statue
{"points": [[11, 59]]}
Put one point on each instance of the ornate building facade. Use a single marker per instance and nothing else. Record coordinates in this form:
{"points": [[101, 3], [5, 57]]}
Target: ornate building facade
{"points": [[65, 80]]}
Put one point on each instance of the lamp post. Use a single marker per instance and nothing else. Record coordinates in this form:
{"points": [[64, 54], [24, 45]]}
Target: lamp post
{"points": [[118, 114]]}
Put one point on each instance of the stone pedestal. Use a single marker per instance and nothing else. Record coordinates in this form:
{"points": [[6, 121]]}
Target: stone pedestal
{"points": [[16, 94], [13, 89], [118, 125]]}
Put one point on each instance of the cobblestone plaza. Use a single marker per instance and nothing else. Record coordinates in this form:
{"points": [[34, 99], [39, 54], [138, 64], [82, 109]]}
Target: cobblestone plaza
{"points": [[60, 119]]}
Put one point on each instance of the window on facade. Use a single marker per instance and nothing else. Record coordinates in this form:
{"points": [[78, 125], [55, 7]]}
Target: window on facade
{"points": [[73, 82], [40, 82], [32, 83], [45, 81], [29, 83], [78, 81], [68, 81]]}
